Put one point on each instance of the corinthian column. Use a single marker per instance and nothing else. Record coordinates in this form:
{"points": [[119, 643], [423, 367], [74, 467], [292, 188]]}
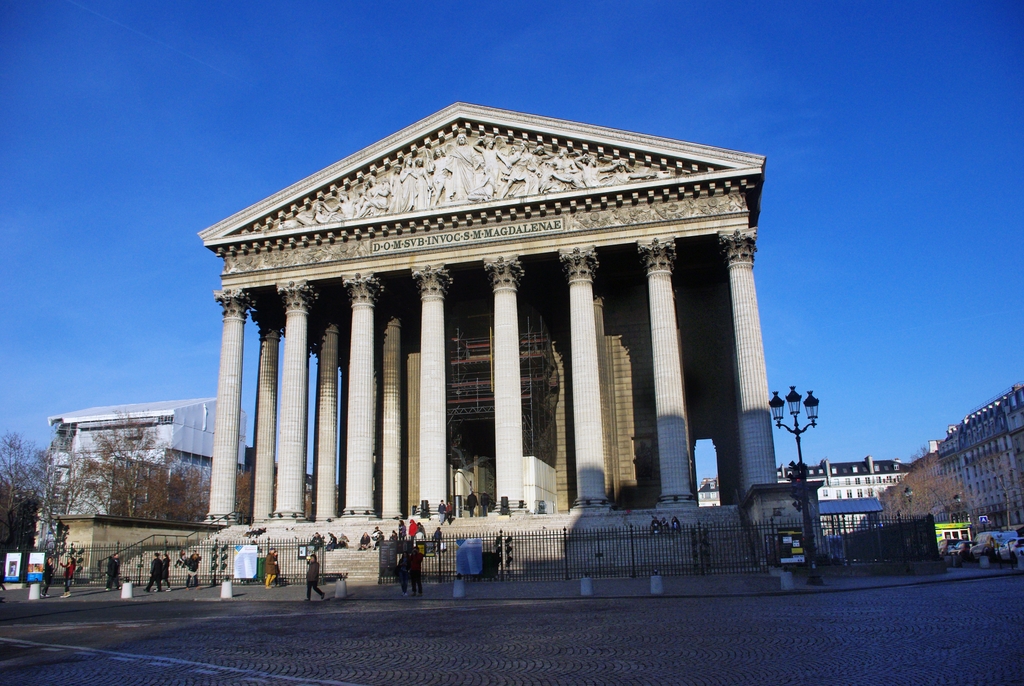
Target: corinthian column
{"points": [[508, 403], [229, 403], [363, 290], [266, 422], [669, 396], [433, 283], [327, 426], [586, 388], [757, 449], [291, 462], [391, 441]]}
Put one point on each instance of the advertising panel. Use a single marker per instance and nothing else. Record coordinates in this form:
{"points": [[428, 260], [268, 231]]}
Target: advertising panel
{"points": [[35, 567], [12, 567], [245, 561]]}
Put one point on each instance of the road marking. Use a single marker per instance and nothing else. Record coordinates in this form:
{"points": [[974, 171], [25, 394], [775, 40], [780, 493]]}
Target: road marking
{"points": [[199, 667]]}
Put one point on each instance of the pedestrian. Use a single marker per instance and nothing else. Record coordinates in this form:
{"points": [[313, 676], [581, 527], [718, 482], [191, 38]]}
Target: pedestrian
{"points": [[676, 527], [156, 573], [413, 526], [313, 578], [364, 541], [401, 529], [403, 572], [442, 510], [485, 502], [271, 568], [47, 577], [113, 572], [415, 563], [451, 514], [192, 580], [377, 537], [69, 575], [167, 571], [471, 503]]}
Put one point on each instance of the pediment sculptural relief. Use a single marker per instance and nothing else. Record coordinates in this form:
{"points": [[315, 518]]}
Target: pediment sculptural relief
{"points": [[467, 168]]}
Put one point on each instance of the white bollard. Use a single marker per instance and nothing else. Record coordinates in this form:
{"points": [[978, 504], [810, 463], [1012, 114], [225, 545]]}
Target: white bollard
{"points": [[586, 586], [984, 562], [341, 590], [126, 591], [459, 588], [226, 592], [33, 592], [1020, 559], [657, 587], [786, 578]]}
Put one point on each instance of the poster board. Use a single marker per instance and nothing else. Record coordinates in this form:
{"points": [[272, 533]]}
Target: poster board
{"points": [[790, 544], [36, 561], [245, 561], [12, 567], [469, 556]]}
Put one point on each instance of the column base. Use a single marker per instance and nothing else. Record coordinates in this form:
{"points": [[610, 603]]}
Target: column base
{"points": [[591, 505], [676, 502], [290, 516], [358, 514]]}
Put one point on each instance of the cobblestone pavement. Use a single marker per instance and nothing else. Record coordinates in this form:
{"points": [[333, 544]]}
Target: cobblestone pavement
{"points": [[968, 632]]}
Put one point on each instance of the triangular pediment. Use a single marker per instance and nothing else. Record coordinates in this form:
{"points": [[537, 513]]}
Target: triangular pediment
{"points": [[469, 155]]}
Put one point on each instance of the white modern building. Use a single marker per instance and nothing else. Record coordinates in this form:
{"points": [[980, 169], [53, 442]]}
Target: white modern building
{"points": [[182, 429], [865, 478]]}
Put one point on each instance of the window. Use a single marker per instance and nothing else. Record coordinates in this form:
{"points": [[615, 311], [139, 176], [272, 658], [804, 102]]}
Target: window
{"points": [[857, 481], [871, 493], [839, 494], [860, 492], [847, 482], [854, 469], [824, 492]]}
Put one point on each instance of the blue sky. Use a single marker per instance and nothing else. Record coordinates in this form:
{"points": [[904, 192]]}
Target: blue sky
{"points": [[890, 250]]}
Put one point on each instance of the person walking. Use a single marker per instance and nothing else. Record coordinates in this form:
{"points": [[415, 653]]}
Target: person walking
{"points": [[442, 510], [69, 575], [156, 573], [47, 577], [403, 572], [192, 580], [313, 578], [471, 503], [415, 566], [271, 568], [413, 526], [167, 571], [485, 502], [113, 572]]}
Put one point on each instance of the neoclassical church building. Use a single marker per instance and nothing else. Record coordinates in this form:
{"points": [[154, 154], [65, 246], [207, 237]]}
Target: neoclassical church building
{"points": [[547, 312]]}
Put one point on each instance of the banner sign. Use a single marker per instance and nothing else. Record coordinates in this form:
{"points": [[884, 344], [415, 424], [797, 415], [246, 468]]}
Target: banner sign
{"points": [[12, 567], [245, 561], [35, 567], [469, 556]]}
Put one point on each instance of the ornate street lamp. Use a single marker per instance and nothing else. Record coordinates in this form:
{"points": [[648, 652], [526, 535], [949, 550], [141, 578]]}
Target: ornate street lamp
{"points": [[798, 471], [908, 493]]}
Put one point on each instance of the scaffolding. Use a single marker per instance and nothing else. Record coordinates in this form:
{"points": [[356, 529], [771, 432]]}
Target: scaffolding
{"points": [[470, 392]]}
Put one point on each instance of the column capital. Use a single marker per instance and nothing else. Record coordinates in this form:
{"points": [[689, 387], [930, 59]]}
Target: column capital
{"points": [[579, 263], [269, 321], [738, 247], [297, 295], [363, 290], [504, 274], [235, 301], [433, 282], [658, 256]]}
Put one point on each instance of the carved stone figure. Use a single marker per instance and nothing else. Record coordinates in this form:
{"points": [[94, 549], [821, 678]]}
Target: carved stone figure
{"points": [[462, 165]]}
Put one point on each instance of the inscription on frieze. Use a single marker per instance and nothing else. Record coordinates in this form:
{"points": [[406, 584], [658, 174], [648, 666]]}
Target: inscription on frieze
{"points": [[467, 236]]}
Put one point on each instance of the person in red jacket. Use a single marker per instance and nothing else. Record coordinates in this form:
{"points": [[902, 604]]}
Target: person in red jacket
{"points": [[69, 575]]}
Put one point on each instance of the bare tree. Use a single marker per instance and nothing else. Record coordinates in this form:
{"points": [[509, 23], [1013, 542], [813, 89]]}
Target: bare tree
{"points": [[924, 490], [126, 468], [20, 483]]}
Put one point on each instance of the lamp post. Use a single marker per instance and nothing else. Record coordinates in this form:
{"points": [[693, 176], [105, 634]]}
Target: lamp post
{"points": [[799, 470], [908, 493]]}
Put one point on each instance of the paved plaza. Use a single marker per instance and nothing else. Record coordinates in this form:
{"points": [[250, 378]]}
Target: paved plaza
{"points": [[854, 633]]}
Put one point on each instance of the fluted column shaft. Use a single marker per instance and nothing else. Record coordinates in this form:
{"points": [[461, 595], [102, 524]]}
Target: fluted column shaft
{"points": [[508, 404], [224, 467], [266, 425], [391, 441], [433, 284], [669, 394], [327, 426], [757, 447], [291, 463], [363, 291], [586, 389]]}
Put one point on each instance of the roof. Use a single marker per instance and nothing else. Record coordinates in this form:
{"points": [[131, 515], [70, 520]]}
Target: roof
{"points": [[153, 409], [849, 506]]}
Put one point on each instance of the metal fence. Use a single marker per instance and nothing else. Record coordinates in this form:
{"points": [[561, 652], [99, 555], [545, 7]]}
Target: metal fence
{"points": [[216, 561], [702, 549]]}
